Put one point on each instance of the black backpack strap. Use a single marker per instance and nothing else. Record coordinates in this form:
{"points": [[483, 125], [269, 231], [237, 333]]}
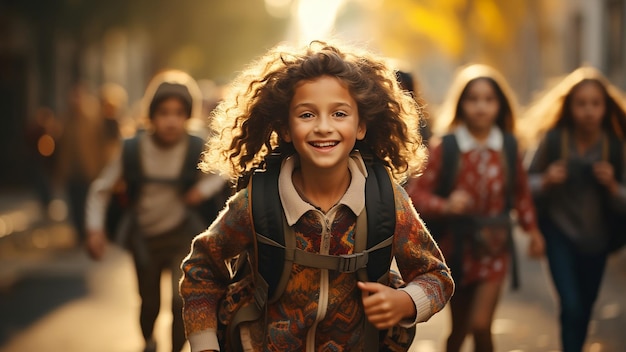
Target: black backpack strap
{"points": [[616, 157], [450, 160], [132, 172], [380, 205], [448, 174], [268, 217], [189, 172], [510, 153]]}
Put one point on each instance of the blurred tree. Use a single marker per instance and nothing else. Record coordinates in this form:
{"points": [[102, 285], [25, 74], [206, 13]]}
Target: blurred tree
{"points": [[459, 29], [434, 37]]}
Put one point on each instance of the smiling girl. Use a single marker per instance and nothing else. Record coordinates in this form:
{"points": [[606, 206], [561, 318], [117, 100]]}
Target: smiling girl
{"points": [[315, 105]]}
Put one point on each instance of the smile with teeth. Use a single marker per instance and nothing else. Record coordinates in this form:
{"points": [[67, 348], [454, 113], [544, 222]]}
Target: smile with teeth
{"points": [[324, 144]]}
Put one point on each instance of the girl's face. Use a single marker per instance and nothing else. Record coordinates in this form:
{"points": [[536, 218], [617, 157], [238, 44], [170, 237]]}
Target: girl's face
{"points": [[323, 124], [480, 105], [588, 106], [169, 121]]}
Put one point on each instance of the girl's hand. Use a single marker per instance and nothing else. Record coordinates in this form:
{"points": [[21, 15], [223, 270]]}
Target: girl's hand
{"points": [[555, 174], [385, 306], [537, 246], [193, 197], [458, 203], [605, 174]]}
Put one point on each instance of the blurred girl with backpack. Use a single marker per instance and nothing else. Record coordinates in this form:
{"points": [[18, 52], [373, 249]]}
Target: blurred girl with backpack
{"points": [[578, 178], [473, 180]]}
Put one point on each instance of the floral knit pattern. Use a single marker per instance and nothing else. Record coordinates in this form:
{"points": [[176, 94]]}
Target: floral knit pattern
{"points": [[294, 314], [482, 175]]}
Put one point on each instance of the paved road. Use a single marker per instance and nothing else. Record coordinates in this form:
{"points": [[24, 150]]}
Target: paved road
{"points": [[53, 298]]}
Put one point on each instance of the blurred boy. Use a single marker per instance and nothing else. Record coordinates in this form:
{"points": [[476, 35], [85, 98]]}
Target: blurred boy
{"points": [[160, 197]]}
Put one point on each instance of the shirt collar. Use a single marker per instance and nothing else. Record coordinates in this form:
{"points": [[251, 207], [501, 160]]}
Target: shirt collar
{"points": [[467, 142], [354, 198]]}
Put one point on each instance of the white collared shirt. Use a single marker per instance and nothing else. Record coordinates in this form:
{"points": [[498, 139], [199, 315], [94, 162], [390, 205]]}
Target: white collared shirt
{"points": [[467, 142]]}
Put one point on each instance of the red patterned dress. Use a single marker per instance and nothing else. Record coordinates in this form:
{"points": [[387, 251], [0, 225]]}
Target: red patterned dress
{"points": [[482, 174]]}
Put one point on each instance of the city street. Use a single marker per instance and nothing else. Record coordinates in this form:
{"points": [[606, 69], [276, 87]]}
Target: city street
{"points": [[56, 299], [103, 100]]}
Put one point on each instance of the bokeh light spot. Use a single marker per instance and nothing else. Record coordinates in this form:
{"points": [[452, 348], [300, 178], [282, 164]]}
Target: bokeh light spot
{"points": [[46, 145]]}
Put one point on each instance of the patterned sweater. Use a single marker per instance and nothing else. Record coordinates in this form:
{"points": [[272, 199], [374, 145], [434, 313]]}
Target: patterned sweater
{"points": [[482, 174], [319, 310]]}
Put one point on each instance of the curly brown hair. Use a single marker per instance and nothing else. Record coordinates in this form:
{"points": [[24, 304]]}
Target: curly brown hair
{"points": [[250, 119]]}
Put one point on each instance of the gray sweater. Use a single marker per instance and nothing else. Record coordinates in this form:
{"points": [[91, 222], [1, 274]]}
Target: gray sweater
{"points": [[576, 206], [159, 207]]}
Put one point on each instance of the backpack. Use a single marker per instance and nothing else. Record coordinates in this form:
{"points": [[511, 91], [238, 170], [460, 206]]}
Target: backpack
{"points": [[126, 191], [276, 250], [450, 154], [556, 147]]}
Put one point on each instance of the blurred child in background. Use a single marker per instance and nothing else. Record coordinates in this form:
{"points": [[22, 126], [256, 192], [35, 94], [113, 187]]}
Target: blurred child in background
{"points": [[473, 180], [163, 187], [577, 176]]}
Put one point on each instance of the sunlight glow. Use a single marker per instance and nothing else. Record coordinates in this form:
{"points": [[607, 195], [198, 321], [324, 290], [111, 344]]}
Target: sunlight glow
{"points": [[278, 8], [316, 19]]}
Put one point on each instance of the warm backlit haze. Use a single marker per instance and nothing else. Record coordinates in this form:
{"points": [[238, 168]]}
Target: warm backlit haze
{"points": [[57, 57]]}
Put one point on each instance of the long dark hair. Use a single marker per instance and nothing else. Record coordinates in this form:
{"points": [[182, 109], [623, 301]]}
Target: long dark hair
{"points": [[504, 120], [614, 120]]}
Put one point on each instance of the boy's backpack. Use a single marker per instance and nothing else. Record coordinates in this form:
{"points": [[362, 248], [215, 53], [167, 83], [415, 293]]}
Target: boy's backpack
{"points": [[276, 250], [126, 192], [557, 146], [451, 158]]}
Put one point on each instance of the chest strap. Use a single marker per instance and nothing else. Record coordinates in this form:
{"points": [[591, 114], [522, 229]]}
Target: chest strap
{"points": [[345, 263]]}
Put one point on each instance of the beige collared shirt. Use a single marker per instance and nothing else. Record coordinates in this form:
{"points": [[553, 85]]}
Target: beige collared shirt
{"points": [[354, 198]]}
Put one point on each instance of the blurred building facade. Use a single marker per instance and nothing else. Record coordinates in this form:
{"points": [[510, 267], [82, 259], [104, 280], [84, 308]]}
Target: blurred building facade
{"points": [[576, 32], [529, 41], [46, 47]]}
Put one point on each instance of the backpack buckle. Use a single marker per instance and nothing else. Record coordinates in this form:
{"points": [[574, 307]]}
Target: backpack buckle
{"points": [[349, 263]]}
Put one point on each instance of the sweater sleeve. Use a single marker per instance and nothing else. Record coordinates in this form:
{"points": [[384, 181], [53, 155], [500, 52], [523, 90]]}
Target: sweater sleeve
{"points": [[420, 261], [422, 189], [209, 185], [99, 194], [538, 166], [206, 275]]}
